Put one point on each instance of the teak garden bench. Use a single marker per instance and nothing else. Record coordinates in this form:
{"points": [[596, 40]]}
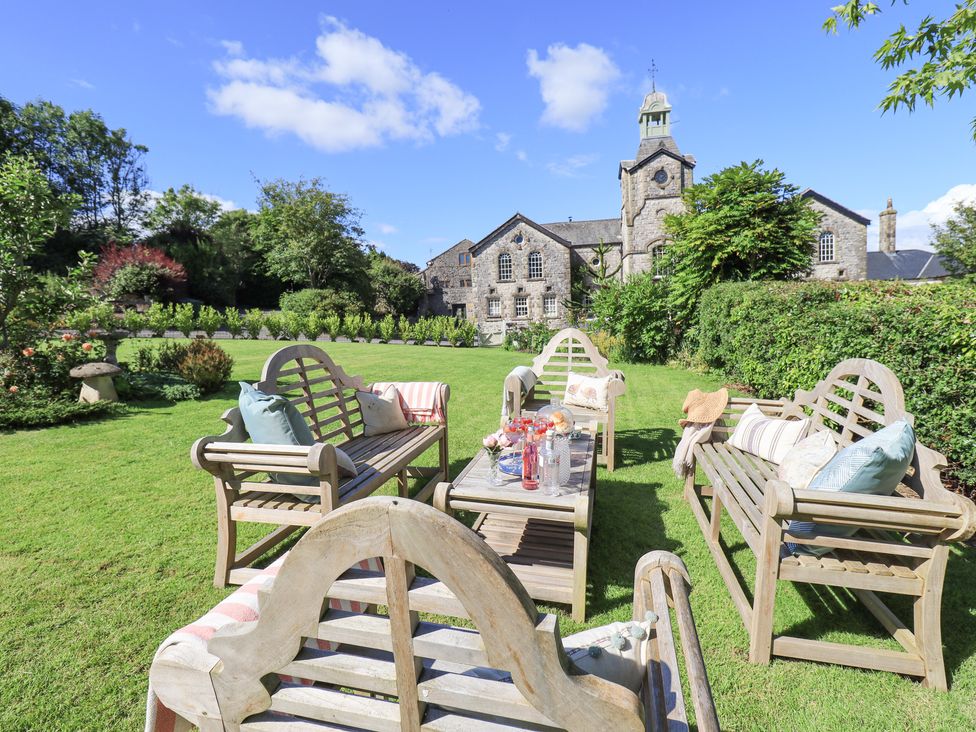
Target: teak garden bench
{"points": [[901, 547], [570, 350], [388, 669], [325, 396]]}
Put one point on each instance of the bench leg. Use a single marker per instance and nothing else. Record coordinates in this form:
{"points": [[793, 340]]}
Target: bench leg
{"points": [[226, 535], [608, 446], [403, 485], [928, 621], [764, 601]]}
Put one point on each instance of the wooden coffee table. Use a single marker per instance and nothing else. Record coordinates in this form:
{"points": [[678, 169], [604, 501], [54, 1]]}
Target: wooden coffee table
{"points": [[544, 539]]}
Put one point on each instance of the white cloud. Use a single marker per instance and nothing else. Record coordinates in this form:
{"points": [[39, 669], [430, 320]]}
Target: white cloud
{"points": [[571, 166], [574, 83], [357, 94], [174, 41], [83, 83], [225, 203], [377, 244], [387, 228], [914, 228], [522, 155], [233, 48], [502, 139]]}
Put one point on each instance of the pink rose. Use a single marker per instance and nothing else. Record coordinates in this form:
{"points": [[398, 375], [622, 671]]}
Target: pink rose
{"points": [[86, 347], [504, 440], [66, 337], [490, 442], [28, 352], [14, 389]]}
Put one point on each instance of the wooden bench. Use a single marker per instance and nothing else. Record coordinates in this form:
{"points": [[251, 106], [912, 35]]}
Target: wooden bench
{"points": [[325, 395], [901, 548], [389, 668], [570, 350]]}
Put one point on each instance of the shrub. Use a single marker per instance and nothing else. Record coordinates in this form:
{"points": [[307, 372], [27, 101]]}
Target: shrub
{"points": [[233, 322], [46, 366], [158, 319], [274, 325], [253, 322], [133, 321], [152, 358], [531, 338], [147, 386], [387, 328], [637, 311], [404, 328], [314, 325], [351, 326], [367, 327], [145, 281], [322, 301], [138, 270], [29, 409], [468, 334], [183, 318], [610, 346], [421, 331], [779, 337], [292, 325], [209, 320], [206, 365], [333, 325]]}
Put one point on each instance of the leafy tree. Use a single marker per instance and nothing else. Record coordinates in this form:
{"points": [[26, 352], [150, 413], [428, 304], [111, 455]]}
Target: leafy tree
{"points": [[245, 254], [742, 223], [638, 311], [313, 235], [398, 290], [30, 212], [945, 48], [956, 240]]}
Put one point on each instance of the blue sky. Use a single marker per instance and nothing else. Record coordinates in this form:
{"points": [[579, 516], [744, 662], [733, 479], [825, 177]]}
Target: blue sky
{"points": [[440, 120]]}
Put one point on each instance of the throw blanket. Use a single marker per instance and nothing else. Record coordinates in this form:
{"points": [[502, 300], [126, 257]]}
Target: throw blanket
{"points": [[241, 606], [421, 401], [703, 410], [684, 459], [528, 379]]}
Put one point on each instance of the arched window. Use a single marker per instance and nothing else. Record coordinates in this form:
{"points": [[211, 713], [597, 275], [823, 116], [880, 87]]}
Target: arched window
{"points": [[826, 247], [659, 260], [535, 266], [505, 267]]}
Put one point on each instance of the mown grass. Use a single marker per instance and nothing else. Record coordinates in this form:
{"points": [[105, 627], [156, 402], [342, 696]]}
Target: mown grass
{"points": [[108, 541]]}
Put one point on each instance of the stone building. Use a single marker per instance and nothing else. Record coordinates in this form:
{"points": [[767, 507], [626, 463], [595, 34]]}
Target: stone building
{"points": [[841, 249], [891, 263], [523, 271]]}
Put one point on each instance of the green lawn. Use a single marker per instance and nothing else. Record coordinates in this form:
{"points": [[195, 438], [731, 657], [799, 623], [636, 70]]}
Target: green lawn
{"points": [[109, 542]]}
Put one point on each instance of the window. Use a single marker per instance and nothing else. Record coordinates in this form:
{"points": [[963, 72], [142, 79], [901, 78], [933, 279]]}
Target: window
{"points": [[826, 247], [535, 266], [521, 307], [505, 267], [465, 283], [494, 307], [587, 300], [659, 260], [549, 306], [464, 258]]}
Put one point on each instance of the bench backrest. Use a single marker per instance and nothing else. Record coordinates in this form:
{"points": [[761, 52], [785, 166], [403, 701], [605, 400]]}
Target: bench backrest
{"points": [[859, 397], [509, 634], [318, 387], [569, 350]]}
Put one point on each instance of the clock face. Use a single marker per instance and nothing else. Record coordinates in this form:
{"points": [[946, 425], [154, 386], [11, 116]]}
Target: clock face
{"points": [[661, 177]]}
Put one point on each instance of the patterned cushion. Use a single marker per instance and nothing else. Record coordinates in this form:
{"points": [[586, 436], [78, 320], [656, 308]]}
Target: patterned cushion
{"points": [[806, 458], [873, 465], [382, 413], [617, 652], [586, 391], [767, 437]]}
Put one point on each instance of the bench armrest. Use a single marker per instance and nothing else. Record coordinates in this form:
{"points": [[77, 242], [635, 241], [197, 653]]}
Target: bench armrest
{"points": [[661, 584], [953, 519]]}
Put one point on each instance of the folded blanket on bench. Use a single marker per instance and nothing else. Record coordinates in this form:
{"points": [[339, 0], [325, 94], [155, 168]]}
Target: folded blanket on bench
{"points": [[241, 606], [528, 377], [422, 401]]}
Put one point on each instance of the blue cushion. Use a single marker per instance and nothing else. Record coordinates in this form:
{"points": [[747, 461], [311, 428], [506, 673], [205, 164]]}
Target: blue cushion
{"points": [[873, 465], [270, 419]]}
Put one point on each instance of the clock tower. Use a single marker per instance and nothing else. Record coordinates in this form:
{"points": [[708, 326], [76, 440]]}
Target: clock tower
{"points": [[651, 186]]}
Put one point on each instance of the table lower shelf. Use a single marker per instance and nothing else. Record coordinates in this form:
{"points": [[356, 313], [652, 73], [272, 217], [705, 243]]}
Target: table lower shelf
{"points": [[540, 553]]}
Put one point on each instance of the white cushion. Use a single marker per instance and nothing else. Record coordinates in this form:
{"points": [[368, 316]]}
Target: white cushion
{"points": [[381, 412], [806, 458], [346, 466], [586, 391], [767, 437], [617, 652]]}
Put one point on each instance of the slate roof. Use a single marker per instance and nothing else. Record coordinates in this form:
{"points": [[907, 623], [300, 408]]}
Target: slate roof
{"points": [[830, 203], [587, 233], [905, 264]]}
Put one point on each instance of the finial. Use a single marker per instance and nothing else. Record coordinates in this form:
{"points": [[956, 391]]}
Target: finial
{"points": [[889, 202], [653, 71]]}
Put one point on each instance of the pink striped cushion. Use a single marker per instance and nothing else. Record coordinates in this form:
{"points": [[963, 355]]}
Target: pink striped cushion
{"points": [[420, 400]]}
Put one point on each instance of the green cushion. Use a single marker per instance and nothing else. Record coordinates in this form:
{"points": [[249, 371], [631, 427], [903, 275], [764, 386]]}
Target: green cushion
{"points": [[271, 420]]}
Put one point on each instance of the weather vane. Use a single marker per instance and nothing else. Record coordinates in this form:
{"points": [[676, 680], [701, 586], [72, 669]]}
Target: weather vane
{"points": [[653, 71]]}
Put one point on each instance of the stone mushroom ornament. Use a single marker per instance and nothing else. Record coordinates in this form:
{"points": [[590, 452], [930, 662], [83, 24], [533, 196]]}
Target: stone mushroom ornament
{"points": [[96, 384]]}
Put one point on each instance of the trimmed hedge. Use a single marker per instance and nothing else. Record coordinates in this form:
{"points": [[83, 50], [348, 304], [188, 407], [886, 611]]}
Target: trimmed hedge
{"points": [[777, 337]]}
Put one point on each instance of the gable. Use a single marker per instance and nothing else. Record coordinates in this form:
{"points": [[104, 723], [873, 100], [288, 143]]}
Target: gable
{"points": [[831, 204], [512, 223], [631, 166]]}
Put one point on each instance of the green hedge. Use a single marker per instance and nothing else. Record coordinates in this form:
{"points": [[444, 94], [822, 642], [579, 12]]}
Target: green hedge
{"points": [[778, 337]]}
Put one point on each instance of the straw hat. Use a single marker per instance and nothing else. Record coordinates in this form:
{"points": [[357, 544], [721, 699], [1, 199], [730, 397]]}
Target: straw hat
{"points": [[704, 406]]}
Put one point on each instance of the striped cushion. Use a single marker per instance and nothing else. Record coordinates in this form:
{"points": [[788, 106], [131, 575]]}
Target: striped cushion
{"points": [[873, 465], [767, 437]]}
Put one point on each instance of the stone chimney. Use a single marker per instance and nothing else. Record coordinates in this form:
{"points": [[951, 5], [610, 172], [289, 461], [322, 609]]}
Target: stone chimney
{"points": [[886, 229]]}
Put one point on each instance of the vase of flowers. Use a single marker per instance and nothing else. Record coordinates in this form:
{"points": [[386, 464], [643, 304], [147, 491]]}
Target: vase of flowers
{"points": [[494, 444]]}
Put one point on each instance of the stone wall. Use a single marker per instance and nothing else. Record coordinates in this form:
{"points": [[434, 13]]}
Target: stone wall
{"points": [[445, 279], [519, 240], [850, 246]]}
